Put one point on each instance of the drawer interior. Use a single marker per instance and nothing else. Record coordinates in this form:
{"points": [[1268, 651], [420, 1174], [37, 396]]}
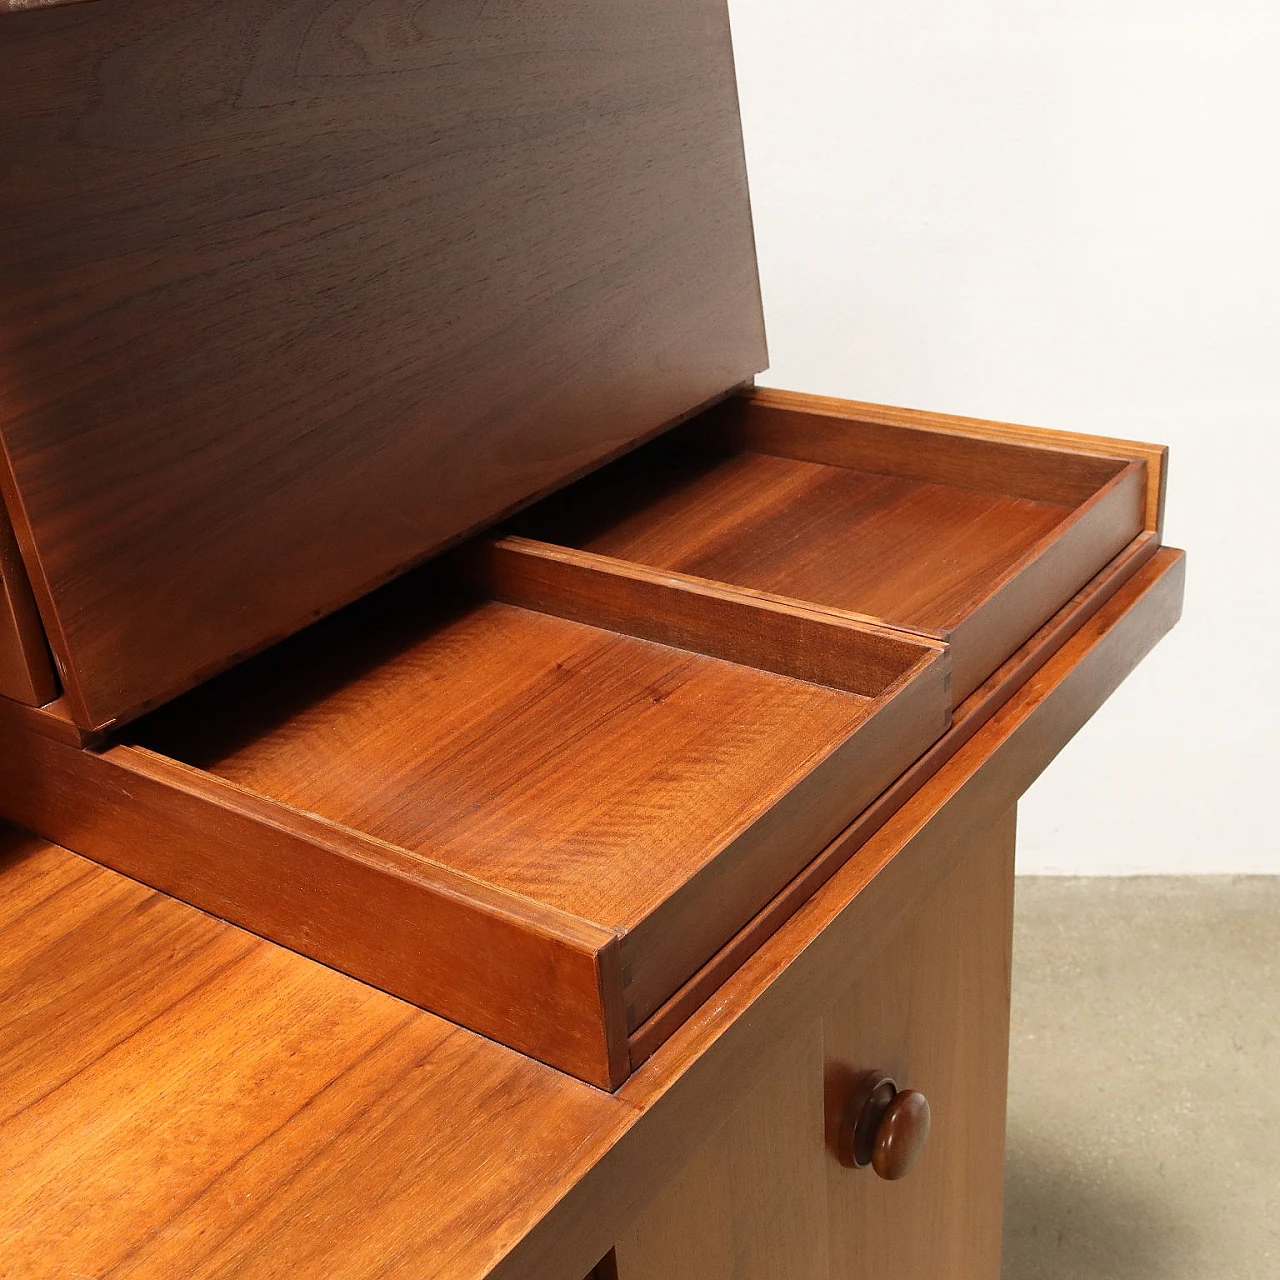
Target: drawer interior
{"points": [[915, 528], [589, 770], [913, 551], [547, 785], [649, 758]]}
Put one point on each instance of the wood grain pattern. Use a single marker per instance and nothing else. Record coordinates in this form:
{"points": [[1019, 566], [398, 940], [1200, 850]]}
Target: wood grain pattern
{"points": [[422, 754], [998, 690], [916, 425], [413, 927], [439, 1152], [877, 545], [836, 433], [751, 1202], [1049, 571], [291, 298], [828, 647], [183, 1099], [710, 1061], [26, 668], [979, 540], [932, 1009], [529, 751]]}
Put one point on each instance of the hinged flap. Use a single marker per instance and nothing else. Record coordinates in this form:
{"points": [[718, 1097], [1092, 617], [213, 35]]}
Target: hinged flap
{"points": [[292, 295]]}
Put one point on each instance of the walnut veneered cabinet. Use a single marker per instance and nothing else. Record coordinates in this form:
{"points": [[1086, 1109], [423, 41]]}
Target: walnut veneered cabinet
{"points": [[400, 564]]}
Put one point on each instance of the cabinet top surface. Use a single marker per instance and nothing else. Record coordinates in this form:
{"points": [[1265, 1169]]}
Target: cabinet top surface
{"points": [[292, 298]]}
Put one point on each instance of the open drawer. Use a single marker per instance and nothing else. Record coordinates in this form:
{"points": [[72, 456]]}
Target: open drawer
{"points": [[556, 786], [534, 807], [968, 531]]}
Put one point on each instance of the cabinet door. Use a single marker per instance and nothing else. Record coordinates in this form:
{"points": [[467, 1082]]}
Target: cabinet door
{"points": [[751, 1203], [766, 1197], [932, 1010]]}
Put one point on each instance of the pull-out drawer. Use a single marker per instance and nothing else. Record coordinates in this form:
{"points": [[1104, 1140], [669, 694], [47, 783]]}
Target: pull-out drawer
{"points": [[524, 806], [557, 786], [971, 532]]}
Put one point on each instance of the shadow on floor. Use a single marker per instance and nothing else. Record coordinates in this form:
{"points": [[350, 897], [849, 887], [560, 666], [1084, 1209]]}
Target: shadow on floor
{"points": [[1070, 1221]]}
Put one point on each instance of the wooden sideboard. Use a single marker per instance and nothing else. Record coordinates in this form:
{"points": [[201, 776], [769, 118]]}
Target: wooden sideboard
{"points": [[184, 1099], [510, 797]]}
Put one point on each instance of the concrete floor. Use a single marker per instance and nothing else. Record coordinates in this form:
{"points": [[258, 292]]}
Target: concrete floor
{"points": [[1144, 1090]]}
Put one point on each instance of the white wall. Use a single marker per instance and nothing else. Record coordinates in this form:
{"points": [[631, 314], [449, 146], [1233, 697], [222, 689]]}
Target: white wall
{"points": [[1067, 214]]}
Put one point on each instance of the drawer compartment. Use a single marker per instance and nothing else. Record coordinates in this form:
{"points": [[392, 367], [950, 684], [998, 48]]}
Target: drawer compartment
{"points": [[558, 784], [513, 805], [969, 532]]}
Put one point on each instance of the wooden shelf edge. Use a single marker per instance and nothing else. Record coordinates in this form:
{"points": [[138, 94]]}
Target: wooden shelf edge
{"points": [[1066, 557]]}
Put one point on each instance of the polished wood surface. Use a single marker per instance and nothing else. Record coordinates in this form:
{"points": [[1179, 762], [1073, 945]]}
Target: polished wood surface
{"points": [[911, 428], [976, 539], [751, 1202], [710, 1060], [996, 692], [932, 1008], [767, 1196], [555, 759], [408, 925], [883, 1127], [181, 1099], [428, 777], [26, 668], [829, 647], [438, 1152], [917, 552], [520, 748], [901, 1135], [291, 298]]}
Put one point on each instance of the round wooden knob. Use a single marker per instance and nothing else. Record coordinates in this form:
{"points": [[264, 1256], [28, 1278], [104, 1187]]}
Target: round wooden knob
{"points": [[884, 1127]]}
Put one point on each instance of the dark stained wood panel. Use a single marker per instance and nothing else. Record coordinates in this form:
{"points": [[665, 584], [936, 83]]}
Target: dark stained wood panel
{"points": [[292, 296], [26, 670]]}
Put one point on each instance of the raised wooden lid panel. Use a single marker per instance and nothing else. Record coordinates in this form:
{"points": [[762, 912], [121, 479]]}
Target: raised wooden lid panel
{"points": [[292, 297]]}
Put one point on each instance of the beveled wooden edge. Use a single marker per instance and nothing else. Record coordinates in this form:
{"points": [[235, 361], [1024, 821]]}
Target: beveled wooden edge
{"points": [[969, 717], [1018, 469], [466, 950], [53, 720], [713, 1056], [789, 637], [70, 700], [1065, 559], [1154, 456], [26, 665]]}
